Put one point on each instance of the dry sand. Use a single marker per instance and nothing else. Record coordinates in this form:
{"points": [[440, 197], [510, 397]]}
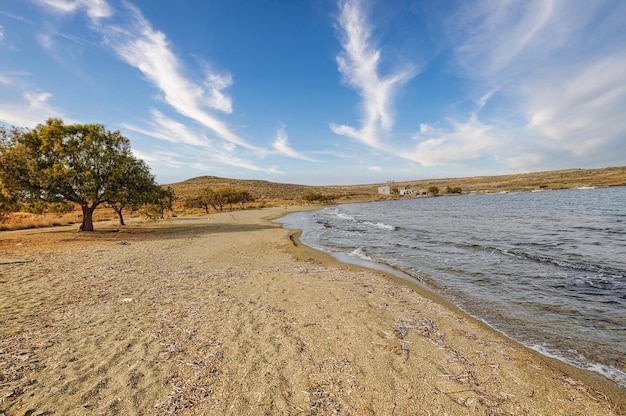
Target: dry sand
{"points": [[226, 315]]}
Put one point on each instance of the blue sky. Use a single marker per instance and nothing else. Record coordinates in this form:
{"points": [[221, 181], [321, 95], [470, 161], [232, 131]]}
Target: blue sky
{"points": [[327, 91]]}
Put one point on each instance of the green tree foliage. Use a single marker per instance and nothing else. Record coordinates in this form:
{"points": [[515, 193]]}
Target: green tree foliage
{"points": [[82, 163], [232, 196], [217, 199], [136, 186], [158, 200], [318, 197], [9, 195], [454, 190], [8, 202], [433, 190]]}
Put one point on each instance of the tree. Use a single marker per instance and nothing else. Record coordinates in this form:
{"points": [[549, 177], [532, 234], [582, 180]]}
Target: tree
{"points": [[8, 202], [206, 199], [81, 163], [244, 196], [433, 190], [135, 186], [318, 197], [158, 200], [233, 196]]}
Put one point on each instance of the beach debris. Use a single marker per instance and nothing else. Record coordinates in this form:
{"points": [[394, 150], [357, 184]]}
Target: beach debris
{"points": [[184, 395], [14, 261], [322, 402], [302, 345]]}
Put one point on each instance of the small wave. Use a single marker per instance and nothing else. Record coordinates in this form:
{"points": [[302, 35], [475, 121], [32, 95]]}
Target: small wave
{"points": [[346, 217], [379, 225], [358, 252], [588, 267], [611, 373]]}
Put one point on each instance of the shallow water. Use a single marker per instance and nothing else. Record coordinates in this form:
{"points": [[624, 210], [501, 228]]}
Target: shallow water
{"points": [[548, 269]]}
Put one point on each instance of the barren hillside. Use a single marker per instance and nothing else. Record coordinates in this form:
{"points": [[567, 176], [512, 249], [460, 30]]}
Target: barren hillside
{"points": [[560, 179]]}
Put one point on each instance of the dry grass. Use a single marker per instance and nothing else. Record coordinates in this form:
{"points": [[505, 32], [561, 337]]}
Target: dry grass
{"points": [[24, 220]]}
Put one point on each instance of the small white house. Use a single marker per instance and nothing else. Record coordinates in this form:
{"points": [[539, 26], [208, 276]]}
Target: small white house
{"points": [[385, 190], [406, 191]]}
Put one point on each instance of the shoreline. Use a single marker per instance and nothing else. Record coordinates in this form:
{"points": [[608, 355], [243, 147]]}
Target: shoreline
{"points": [[594, 379], [230, 314]]}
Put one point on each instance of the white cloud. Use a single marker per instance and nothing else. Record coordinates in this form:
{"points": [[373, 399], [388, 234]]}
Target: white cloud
{"points": [[560, 65], [281, 144], [46, 42], [169, 130], [359, 64], [375, 168], [166, 129], [4, 80], [215, 83], [584, 111], [149, 51], [95, 9], [15, 17], [162, 158], [526, 161], [33, 110], [460, 143]]}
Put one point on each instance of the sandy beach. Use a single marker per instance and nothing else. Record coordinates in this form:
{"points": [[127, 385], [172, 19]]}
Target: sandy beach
{"points": [[228, 314]]}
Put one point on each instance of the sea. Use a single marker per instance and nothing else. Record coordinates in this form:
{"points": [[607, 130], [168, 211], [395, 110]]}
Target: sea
{"points": [[547, 269]]}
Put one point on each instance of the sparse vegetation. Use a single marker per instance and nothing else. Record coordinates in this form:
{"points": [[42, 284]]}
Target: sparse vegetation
{"points": [[434, 190], [208, 198], [312, 197], [272, 194]]}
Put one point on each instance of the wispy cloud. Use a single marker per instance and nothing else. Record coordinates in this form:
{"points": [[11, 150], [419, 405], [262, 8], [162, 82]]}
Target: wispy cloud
{"points": [[164, 158], [169, 130], [136, 42], [33, 108], [95, 9], [359, 65], [583, 111], [281, 145], [149, 51], [559, 63], [458, 143]]}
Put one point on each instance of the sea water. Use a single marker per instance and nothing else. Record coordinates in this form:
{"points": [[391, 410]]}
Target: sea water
{"points": [[547, 269]]}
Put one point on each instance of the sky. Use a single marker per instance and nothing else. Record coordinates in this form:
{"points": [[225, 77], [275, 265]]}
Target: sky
{"points": [[324, 92]]}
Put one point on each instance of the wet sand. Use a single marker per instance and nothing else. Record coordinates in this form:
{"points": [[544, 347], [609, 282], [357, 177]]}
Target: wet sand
{"points": [[228, 314]]}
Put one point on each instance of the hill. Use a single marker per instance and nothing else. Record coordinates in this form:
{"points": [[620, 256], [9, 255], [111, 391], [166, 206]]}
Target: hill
{"points": [[272, 191]]}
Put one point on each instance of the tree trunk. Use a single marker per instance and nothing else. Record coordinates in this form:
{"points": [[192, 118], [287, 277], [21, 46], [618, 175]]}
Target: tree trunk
{"points": [[119, 214], [87, 217]]}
